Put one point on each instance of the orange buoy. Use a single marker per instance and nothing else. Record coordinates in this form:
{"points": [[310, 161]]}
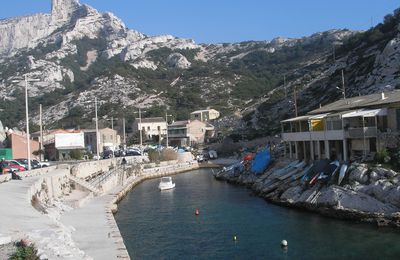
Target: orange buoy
{"points": [[197, 212]]}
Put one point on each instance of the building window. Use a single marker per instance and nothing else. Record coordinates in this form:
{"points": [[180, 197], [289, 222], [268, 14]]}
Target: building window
{"points": [[111, 137], [159, 128], [148, 128], [143, 129]]}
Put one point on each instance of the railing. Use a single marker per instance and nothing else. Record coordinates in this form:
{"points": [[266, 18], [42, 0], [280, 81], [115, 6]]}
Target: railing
{"points": [[361, 132], [101, 179]]}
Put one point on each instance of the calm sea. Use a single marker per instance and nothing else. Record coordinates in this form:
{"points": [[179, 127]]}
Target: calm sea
{"points": [[162, 225]]}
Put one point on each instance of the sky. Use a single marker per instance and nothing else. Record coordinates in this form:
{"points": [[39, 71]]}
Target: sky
{"points": [[218, 21]]}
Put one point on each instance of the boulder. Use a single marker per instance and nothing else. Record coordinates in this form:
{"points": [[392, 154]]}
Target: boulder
{"points": [[379, 190], [340, 198], [177, 60], [374, 176], [359, 174], [292, 194]]}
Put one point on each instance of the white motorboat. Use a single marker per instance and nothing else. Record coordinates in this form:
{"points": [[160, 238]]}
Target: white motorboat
{"points": [[166, 183]]}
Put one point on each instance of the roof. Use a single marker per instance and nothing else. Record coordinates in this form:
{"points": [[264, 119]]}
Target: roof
{"points": [[94, 130], [179, 123], [152, 120], [368, 101], [366, 113], [70, 147], [299, 118], [202, 111]]}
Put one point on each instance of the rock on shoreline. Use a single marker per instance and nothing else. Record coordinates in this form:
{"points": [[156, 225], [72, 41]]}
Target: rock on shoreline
{"points": [[366, 194]]}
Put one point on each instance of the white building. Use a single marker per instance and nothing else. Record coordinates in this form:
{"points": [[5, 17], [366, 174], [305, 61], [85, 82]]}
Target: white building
{"points": [[153, 126], [204, 115]]}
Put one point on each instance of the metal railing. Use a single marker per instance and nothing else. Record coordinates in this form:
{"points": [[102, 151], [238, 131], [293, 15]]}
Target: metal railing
{"points": [[102, 178], [361, 132]]}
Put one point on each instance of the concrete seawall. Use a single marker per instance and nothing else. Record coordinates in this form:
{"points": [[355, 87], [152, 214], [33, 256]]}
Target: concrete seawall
{"points": [[37, 209]]}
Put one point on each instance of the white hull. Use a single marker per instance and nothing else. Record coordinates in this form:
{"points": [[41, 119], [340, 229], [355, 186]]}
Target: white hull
{"points": [[166, 186], [343, 170]]}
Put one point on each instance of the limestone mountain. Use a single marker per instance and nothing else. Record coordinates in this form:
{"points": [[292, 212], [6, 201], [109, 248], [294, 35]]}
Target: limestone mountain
{"points": [[78, 53]]}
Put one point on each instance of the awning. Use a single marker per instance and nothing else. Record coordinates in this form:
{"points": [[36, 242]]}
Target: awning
{"points": [[320, 116], [299, 118], [366, 113]]}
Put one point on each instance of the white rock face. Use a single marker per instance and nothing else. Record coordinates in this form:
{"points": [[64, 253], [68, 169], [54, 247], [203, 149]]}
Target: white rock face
{"points": [[177, 60], [63, 10], [23, 32]]}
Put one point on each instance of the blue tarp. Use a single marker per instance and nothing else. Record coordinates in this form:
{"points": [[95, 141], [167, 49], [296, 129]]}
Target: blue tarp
{"points": [[260, 162]]}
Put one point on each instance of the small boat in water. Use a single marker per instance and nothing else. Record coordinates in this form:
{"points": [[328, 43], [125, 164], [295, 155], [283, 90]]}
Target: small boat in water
{"points": [[166, 183]]}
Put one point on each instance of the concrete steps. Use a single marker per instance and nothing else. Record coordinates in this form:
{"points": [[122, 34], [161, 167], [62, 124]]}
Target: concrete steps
{"points": [[84, 184]]}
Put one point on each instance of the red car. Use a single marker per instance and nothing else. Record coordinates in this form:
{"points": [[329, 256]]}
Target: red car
{"points": [[7, 167]]}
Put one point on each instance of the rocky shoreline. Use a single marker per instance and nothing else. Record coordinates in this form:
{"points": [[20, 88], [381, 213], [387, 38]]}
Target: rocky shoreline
{"points": [[367, 194]]}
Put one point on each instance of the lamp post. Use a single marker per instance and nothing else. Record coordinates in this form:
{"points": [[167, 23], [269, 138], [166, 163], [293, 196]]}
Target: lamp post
{"points": [[41, 133], [166, 120], [27, 119], [97, 126], [140, 127], [97, 129]]}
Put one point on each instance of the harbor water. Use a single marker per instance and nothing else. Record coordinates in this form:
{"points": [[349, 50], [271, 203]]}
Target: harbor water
{"points": [[163, 225]]}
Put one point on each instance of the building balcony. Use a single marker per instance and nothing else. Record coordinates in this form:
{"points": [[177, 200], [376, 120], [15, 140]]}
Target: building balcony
{"points": [[314, 135], [362, 132]]}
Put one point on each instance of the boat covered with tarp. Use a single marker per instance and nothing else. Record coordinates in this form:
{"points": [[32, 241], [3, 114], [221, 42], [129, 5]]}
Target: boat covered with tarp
{"points": [[261, 161]]}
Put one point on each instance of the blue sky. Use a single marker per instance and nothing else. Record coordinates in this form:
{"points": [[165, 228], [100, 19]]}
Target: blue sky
{"points": [[212, 21]]}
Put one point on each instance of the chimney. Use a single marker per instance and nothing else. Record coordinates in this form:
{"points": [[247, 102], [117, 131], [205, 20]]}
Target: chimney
{"points": [[383, 95]]}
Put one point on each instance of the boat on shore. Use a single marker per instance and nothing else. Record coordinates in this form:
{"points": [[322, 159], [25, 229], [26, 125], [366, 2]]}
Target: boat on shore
{"points": [[166, 183]]}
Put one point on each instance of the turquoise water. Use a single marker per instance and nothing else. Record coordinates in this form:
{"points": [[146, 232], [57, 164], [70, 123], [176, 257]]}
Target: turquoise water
{"points": [[162, 225]]}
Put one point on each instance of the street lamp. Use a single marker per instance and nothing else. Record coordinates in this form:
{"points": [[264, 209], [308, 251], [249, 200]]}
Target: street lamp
{"points": [[27, 118], [166, 120], [97, 127], [140, 127]]}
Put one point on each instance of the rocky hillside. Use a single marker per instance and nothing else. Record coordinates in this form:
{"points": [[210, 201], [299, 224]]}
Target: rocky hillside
{"points": [[77, 53]]}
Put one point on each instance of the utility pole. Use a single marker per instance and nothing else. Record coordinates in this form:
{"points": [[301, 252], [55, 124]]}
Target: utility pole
{"points": [[27, 124], [140, 128], [97, 129], [344, 89], [166, 120], [123, 128], [112, 123], [41, 132], [295, 101]]}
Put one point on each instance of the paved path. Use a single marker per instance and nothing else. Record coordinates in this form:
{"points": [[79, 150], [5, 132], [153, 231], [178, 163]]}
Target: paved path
{"points": [[96, 231], [89, 232]]}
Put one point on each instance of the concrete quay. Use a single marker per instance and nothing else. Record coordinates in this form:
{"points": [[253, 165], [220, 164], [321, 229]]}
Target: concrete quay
{"points": [[60, 231]]}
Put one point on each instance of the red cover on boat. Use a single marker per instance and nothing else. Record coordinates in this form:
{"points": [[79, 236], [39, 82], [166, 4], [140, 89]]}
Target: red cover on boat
{"points": [[248, 157]]}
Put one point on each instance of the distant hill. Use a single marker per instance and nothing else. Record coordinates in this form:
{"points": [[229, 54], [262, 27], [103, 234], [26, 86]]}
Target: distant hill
{"points": [[78, 53]]}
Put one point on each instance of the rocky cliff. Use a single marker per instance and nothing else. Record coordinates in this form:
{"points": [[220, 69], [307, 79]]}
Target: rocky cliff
{"points": [[77, 53]]}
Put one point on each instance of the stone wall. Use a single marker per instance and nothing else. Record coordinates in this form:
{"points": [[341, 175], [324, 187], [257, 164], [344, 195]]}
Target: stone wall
{"points": [[85, 169]]}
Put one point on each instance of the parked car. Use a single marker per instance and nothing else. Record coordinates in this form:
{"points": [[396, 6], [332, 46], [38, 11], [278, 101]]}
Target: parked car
{"points": [[20, 163], [40, 164], [7, 167], [133, 152], [107, 154]]}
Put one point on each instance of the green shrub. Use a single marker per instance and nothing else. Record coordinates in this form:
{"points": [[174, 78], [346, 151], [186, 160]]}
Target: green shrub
{"points": [[76, 154], [382, 156], [25, 252]]}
